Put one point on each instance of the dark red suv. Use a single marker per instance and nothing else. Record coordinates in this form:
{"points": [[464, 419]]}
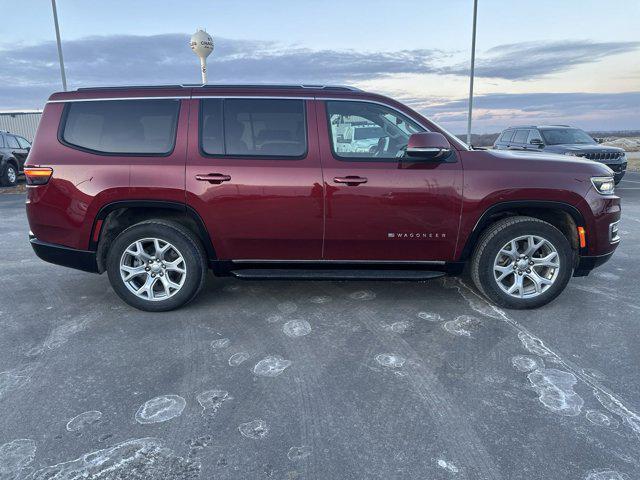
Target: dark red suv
{"points": [[155, 185]]}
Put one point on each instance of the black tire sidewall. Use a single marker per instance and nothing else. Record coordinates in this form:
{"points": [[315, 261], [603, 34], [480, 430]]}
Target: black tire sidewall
{"points": [[486, 277], [5, 176], [196, 267]]}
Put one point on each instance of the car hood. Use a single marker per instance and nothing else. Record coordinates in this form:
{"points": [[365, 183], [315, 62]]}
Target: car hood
{"points": [[582, 147], [577, 165]]}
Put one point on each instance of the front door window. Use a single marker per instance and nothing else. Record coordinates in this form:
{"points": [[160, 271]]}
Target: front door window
{"points": [[367, 131]]}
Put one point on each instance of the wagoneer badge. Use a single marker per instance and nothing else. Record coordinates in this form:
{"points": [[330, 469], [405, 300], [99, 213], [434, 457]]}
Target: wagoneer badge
{"points": [[416, 235]]}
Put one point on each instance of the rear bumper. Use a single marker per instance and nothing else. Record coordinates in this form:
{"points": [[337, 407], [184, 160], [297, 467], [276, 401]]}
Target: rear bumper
{"points": [[586, 264], [67, 257]]}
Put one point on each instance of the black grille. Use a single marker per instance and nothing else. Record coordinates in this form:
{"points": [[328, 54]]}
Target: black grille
{"points": [[601, 155], [617, 168]]}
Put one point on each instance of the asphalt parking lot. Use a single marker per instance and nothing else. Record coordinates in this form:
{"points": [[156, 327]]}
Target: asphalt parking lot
{"points": [[317, 380]]}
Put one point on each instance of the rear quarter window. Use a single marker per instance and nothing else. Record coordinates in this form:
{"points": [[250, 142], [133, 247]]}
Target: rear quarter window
{"points": [[122, 127]]}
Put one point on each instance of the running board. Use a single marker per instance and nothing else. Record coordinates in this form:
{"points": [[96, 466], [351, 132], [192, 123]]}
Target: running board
{"points": [[322, 274]]}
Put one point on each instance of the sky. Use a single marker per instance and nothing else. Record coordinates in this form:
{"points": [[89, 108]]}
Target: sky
{"points": [[571, 61]]}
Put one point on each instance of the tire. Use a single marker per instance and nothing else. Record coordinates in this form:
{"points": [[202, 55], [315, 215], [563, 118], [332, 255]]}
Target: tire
{"points": [[535, 290], [9, 177], [134, 248]]}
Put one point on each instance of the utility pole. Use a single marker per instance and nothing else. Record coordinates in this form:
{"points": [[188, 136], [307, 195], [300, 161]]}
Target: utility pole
{"points": [[55, 22], [473, 62]]}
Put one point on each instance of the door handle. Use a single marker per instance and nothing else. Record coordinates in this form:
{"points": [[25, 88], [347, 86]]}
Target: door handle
{"points": [[216, 178], [350, 180]]}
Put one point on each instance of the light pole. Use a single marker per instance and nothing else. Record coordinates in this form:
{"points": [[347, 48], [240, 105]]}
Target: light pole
{"points": [[55, 22], [473, 61]]}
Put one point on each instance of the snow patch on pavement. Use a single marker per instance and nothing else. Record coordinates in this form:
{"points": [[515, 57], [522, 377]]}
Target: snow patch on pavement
{"points": [[271, 366], [160, 409], [211, 401], [390, 360], [555, 391], [296, 328], [79, 422], [255, 429]]}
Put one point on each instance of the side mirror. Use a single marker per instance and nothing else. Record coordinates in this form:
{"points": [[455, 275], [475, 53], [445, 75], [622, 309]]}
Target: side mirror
{"points": [[537, 141], [428, 146]]}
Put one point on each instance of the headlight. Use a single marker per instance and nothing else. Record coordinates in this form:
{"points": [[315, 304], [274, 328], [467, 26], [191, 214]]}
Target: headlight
{"points": [[573, 154], [604, 185]]}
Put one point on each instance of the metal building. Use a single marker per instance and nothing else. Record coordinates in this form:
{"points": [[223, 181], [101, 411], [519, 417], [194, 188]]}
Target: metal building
{"points": [[21, 122]]}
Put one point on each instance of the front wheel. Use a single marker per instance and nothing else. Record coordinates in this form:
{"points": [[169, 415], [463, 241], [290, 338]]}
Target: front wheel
{"points": [[522, 262], [156, 265]]}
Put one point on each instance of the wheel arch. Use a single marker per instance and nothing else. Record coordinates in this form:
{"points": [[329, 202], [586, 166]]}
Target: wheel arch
{"points": [[114, 217], [561, 215], [11, 161]]}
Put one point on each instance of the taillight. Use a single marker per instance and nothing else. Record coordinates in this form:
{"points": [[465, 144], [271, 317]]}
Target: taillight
{"points": [[37, 175]]}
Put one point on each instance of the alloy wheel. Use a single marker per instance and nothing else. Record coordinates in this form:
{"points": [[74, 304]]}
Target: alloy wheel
{"points": [[12, 176], [153, 269], [526, 266]]}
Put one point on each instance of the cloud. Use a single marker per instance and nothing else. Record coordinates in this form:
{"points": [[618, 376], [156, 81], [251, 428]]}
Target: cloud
{"points": [[31, 73], [493, 112], [528, 60]]}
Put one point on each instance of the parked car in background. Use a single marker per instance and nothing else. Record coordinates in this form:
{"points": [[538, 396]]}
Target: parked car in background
{"points": [[157, 185], [13, 153], [564, 140]]}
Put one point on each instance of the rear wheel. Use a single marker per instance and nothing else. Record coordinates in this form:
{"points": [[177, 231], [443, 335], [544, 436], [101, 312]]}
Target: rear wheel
{"points": [[522, 262], [156, 265], [9, 177]]}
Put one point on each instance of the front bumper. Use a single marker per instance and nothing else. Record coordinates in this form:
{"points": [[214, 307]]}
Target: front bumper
{"points": [[84, 260], [588, 263], [619, 169]]}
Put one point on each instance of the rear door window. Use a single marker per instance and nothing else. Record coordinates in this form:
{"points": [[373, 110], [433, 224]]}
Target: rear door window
{"points": [[521, 136], [253, 127], [12, 142], [507, 136], [122, 127]]}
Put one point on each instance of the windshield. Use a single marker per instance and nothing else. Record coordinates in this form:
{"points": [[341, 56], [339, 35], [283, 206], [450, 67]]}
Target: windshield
{"points": [[565, 136]]}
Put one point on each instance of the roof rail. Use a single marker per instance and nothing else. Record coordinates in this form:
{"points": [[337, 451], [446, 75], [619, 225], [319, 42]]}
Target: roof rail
{"points": [[538, 126], [256, 86], [282, 86], [121, 87]]}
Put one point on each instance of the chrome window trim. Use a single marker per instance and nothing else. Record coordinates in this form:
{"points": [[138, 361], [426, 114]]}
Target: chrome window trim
{"points": [[176, 97], [259, 97]]}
